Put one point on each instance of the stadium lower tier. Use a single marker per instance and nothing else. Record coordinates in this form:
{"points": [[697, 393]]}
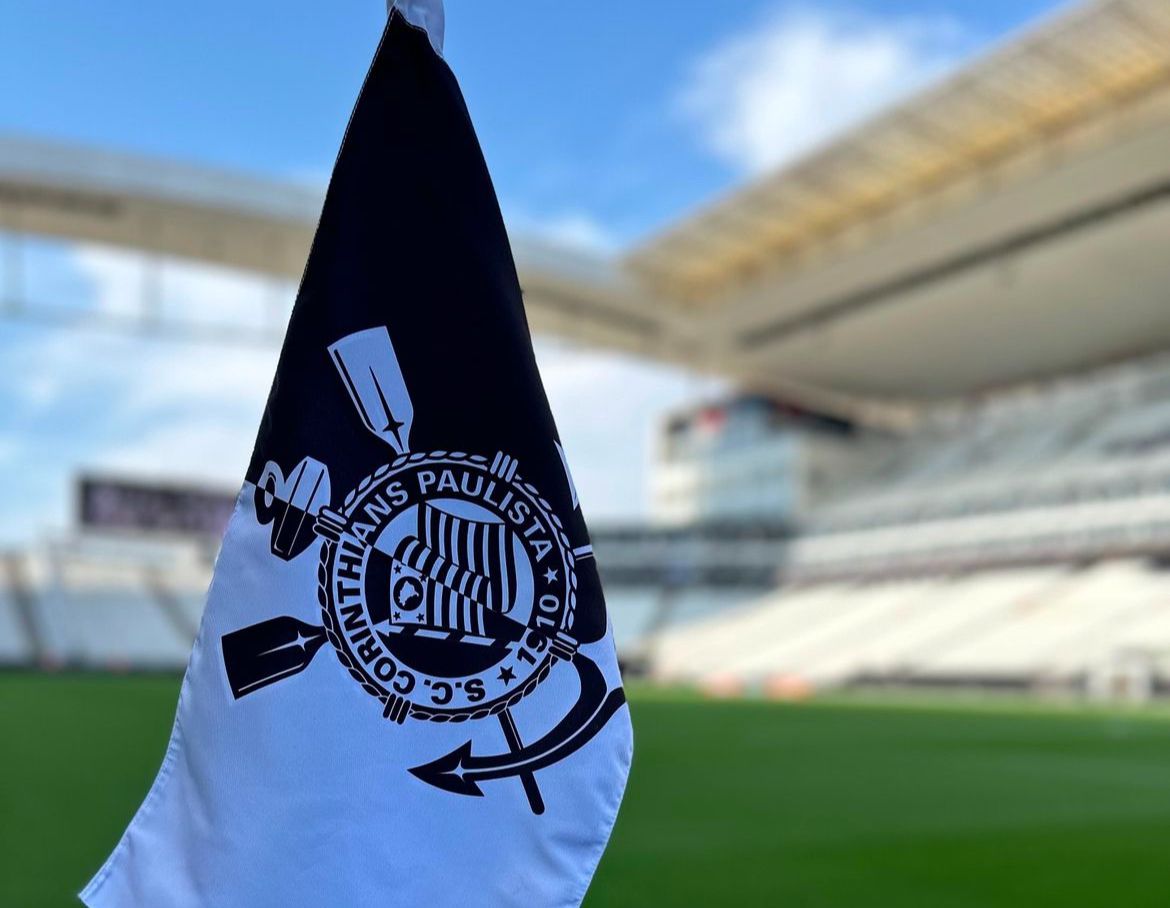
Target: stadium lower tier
{"points": [[1102, 629], [122, 612]]}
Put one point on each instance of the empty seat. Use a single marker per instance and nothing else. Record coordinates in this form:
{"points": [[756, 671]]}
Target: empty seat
{"points": [[15, 647]]}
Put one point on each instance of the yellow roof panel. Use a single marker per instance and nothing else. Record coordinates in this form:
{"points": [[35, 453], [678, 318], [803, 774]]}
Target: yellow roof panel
{"points": [[1058, 76]]}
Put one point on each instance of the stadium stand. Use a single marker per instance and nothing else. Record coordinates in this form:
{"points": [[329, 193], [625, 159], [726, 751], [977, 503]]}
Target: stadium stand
{"points": [[114, 627], [1073, 472], [140, 608], [71, 607], [15, 648], [1010, 543], [1035, 628], [1015, 542]]}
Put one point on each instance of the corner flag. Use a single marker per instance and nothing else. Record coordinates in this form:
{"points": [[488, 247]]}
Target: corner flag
{"points": [[404, 690]]}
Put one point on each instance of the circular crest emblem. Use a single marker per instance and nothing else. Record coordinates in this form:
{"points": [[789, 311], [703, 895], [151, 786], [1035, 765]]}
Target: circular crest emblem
{"points": [[446, 585]]}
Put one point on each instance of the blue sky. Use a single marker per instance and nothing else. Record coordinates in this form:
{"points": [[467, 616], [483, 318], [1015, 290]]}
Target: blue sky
{"points": [[600, 122], [576, 103]]}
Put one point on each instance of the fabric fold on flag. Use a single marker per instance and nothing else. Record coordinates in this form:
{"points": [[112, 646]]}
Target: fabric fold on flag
{"points": [[404, 689]]}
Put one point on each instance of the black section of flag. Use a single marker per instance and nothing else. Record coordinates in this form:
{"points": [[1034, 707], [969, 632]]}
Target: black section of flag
{"points": [[411, 237]]}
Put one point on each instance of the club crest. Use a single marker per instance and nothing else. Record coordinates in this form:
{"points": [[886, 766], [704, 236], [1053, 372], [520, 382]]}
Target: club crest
{"points": [[447, 586]]}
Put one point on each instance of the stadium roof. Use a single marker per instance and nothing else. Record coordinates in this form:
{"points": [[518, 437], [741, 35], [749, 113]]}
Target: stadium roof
{"points": [[262, 226], [1003, 226], [1097, 56]]}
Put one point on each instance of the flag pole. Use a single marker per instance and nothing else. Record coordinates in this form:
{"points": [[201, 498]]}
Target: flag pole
{"points": [[425, 14]]}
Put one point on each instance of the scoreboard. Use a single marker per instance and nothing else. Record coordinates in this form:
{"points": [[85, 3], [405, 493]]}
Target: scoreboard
{"points": [[139, 506]]}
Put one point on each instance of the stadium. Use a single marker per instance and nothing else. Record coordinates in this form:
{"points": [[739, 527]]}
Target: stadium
{"points": [[928, 523]]}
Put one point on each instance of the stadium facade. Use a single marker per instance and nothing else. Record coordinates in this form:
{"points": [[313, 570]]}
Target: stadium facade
{"points": [[947, 461]]}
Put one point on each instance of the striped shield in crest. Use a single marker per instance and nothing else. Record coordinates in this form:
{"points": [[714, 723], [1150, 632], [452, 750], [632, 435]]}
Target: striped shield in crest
{"points": [[477, 546], [470, 563]]}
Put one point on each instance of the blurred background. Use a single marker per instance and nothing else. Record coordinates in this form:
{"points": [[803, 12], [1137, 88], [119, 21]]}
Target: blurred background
{"points": [[855, 318]]}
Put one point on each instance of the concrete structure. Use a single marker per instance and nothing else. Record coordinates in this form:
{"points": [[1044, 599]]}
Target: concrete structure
{"points": [[754, 460]]}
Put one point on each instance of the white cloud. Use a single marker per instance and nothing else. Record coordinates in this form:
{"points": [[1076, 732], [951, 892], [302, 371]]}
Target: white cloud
{"points": [[135, 375], [78, 401], [206, 448], [199, 293], [765, 96], [575, 230], [126, 376], [9, 447], [121, 404]]}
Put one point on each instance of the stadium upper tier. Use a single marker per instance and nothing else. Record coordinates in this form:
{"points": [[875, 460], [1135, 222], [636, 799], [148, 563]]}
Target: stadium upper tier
{"points": [[1004, 225], [1076, 471]]}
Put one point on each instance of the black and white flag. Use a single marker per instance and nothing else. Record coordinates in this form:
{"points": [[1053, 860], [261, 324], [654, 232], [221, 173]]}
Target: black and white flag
{"points": [[404, 690]]}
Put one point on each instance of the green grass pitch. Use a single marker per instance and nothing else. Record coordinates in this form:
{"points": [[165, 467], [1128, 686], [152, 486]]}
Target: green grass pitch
{"points": [[838, 804]]}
